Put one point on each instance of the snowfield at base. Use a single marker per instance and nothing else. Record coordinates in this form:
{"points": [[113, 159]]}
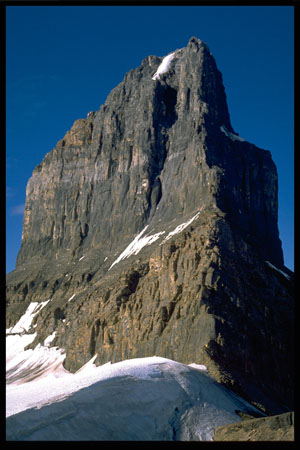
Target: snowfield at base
{"points": [[150, 398]]}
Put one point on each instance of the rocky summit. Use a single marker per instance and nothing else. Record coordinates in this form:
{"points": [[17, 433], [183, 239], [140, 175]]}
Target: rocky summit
{"points": [[151, 229]]}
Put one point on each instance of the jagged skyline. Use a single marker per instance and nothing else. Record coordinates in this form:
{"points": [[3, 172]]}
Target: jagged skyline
{"points": [[56, 87]]}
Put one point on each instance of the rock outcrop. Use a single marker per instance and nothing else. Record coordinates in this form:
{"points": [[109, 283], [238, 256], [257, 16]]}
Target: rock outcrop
{"points": [[273, 428], [151, 228]]}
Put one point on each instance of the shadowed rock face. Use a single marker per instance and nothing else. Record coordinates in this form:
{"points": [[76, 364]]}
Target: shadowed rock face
{"points": [[158, 154]]}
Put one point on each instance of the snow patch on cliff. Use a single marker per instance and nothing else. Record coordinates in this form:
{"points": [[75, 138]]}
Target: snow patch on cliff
{"points": [[278, 270], [49, 339], [164, 66], [140, 242], [137, 244], [25, 321], [233, 137], [180, 228]]}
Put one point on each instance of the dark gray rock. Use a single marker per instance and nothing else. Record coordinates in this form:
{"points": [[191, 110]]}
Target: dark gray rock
{"points": [[153, 143], [157, 154]]}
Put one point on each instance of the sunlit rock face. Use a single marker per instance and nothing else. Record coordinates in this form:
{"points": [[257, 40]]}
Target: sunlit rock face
{"points": [[151, 229]]}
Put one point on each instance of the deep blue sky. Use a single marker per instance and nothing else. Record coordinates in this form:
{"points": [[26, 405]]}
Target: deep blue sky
{"points": [[62, 62]]}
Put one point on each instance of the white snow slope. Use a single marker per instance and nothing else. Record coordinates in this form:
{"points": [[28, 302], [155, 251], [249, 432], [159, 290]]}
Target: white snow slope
{"points": [[140, 399], [164, 66], [137, 244], [140, 241]]}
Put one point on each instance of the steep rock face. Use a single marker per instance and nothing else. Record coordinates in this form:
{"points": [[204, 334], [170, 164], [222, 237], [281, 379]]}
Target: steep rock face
{"points": [[154, 144], [148, 228]]}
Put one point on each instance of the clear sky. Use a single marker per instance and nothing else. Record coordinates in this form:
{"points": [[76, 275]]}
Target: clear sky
{"points": [[62, 62]]}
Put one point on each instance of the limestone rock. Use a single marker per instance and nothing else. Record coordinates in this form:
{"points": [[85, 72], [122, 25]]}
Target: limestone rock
{"points": [[149, 226], [273, 428]]}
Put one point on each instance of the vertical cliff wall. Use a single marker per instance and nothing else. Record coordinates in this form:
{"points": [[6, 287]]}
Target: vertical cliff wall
{"points": [[156, 150], [151, 228]]}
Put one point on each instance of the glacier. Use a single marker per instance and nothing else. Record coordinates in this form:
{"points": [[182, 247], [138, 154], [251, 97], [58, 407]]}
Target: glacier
{"points": [[141, 399]]}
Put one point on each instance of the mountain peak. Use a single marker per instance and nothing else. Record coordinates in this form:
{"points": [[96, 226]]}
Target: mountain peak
{"points": [[196, 42], [147, 230]]}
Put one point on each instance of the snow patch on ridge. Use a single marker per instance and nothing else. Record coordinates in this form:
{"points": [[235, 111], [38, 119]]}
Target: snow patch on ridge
{"points": [[137, 244], [278, 270], [233, 137], [180, 228], [164, 66], [140, 242]]}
